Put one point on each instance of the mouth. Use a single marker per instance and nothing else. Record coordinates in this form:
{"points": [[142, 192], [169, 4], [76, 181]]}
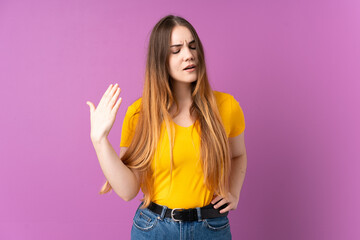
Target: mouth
{"points": [[191, 66]]}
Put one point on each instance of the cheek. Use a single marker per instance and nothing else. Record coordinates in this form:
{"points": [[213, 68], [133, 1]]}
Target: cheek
{"points": [[196, 57], [173, 66]]}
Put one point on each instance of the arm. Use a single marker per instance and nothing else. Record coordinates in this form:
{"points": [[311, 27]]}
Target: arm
{"points": [[237, 174], [238, 164], [124, 181]]}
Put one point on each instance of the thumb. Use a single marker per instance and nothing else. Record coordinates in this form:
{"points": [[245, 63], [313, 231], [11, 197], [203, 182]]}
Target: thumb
{"points": [[91, 105]]}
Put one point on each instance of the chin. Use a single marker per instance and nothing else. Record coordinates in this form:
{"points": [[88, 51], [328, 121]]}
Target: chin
{"points": [[189, 81], [186, 80]]}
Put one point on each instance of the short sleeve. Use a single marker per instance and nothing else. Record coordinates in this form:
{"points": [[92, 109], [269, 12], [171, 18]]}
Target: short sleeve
{"points": [[128, 127], [237, 119]]}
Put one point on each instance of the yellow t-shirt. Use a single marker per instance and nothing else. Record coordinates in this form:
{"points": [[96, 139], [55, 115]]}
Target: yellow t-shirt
{"points": [[187, 188]]}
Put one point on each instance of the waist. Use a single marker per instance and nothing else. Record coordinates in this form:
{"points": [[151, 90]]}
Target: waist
{"points": [[179, 197], [187, 214]]}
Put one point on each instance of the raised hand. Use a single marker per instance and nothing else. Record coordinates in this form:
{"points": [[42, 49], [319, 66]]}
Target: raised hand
{"points": [[103, 116]]}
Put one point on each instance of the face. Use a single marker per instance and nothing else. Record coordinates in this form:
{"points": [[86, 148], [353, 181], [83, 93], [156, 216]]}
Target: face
{"points": [[183, 55]]}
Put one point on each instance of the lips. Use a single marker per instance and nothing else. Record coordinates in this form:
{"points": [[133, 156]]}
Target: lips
{"points": [[190, 66]]}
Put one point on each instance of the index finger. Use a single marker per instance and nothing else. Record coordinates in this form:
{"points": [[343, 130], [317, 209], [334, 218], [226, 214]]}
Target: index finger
{"points": [[108, 90], [106, 93], [216, 199]]}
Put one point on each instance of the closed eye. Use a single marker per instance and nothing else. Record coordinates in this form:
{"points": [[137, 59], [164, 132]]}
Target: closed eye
{"points": [[179, 50], [191, 45]]}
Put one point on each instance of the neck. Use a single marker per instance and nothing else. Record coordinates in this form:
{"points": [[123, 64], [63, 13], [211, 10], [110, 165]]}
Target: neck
{"points": [[182, 92]]}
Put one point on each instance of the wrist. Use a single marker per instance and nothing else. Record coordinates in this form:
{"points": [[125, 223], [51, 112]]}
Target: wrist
{"points": [[98, 140]]}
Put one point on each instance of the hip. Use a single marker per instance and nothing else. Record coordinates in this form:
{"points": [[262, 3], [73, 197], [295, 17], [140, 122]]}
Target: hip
{"points": [[151, 225]]}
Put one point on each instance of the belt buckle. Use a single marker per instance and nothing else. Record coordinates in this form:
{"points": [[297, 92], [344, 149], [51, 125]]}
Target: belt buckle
{"points": [[172, 214]]}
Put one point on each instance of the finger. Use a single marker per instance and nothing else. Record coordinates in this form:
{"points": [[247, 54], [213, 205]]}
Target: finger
{"points": [[110, 96], [228, 208], [215, 200], [113, 90], [113, 99], [105, 94], [91, 105], [219, 204], [117, 105]]}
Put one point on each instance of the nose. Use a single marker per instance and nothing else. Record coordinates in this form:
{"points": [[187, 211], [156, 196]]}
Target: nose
{"points": [[188, 54]]}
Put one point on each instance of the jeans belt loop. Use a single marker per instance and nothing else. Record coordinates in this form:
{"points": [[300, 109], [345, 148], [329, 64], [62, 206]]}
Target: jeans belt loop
{"points": [[199, 214], [162, 215]]}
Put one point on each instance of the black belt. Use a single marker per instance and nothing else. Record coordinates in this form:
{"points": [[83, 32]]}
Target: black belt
{"points": [[181, 214]]}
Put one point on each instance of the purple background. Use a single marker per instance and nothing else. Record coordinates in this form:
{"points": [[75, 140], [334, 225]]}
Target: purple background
{"points": [[292, 65]]}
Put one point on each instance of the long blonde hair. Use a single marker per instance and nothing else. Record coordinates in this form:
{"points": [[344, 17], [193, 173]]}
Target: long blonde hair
{"points": [[157, 98]]}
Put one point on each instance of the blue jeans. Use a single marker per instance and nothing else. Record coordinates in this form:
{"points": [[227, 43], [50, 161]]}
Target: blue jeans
{"points": [[149, 225]]}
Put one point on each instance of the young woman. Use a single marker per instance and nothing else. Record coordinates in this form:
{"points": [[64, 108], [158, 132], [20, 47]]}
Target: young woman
{"points": [[182, 143]]}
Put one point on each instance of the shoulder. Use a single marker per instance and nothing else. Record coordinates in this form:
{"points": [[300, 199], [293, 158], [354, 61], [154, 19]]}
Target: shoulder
{"points": [[228, 106], [231, 113], [135, 106], [223, 99]]}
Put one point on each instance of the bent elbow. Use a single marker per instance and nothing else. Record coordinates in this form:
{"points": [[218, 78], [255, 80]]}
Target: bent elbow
{"points": [[127, 194], [127, 198]]}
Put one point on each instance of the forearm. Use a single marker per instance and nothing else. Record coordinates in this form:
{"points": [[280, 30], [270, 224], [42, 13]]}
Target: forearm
{"points": [[121, 178], [237, 174]]}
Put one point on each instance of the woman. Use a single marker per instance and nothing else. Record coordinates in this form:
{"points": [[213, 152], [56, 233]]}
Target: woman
{"points": [[182, 143]]}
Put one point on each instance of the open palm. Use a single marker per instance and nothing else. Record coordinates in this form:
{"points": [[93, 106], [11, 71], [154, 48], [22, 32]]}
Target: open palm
{"points": [[103, 116]]}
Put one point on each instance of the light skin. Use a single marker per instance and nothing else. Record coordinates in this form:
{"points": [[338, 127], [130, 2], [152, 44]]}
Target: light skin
{"points": [[237, 174], [182, 54], [103, 116]]}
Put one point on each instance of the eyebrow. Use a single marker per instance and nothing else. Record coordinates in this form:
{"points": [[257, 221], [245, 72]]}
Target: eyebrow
{"points": [[178, 45]]}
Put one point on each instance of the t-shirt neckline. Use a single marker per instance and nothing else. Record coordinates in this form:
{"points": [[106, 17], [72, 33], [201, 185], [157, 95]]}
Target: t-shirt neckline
{"points": [[183, 126]]}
